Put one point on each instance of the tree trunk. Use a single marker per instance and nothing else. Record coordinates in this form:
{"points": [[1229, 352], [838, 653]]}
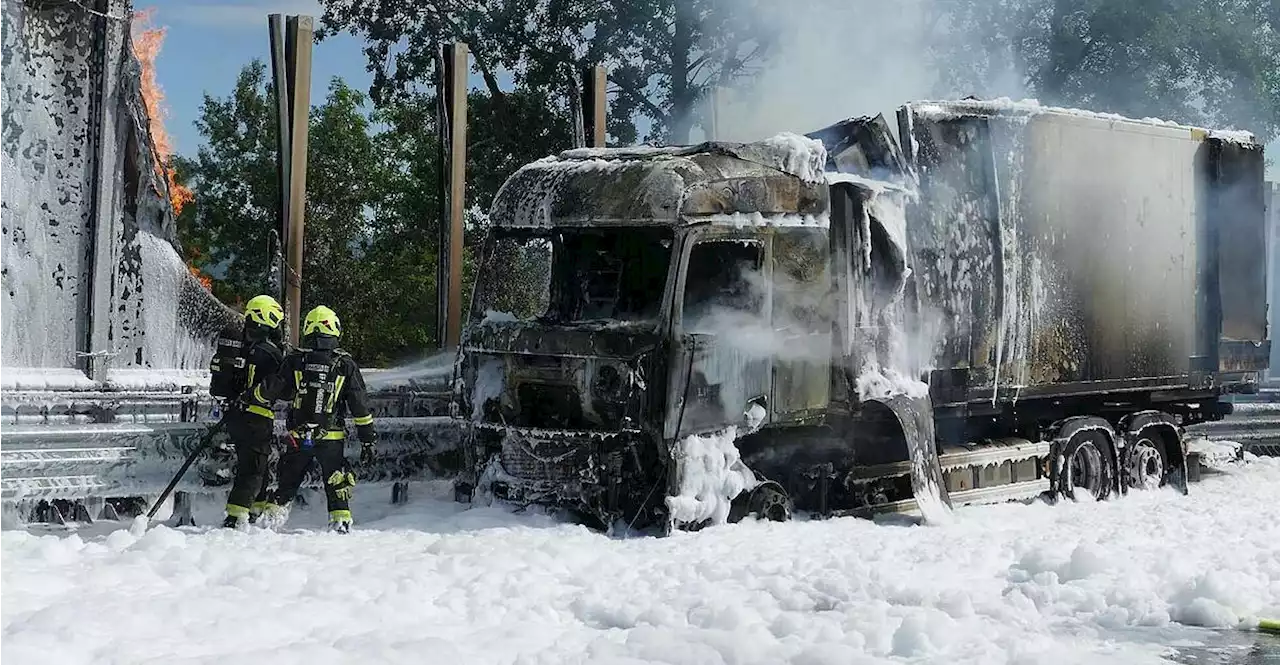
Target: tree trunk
{"points": [[681, 98]]}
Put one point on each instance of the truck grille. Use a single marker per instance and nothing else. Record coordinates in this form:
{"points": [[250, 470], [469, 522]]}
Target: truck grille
{"points": [[546, 461], [550, 406]]}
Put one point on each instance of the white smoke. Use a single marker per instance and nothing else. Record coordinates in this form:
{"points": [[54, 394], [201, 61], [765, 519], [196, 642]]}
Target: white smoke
{"points": [[436, 369], [782, 319], [835, 59]]}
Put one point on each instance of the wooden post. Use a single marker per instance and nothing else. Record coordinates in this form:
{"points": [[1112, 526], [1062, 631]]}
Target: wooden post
{"points": [[593, 105], [1271, 192], [442, 192], [456, 62], [303, 31], [283, 90]]}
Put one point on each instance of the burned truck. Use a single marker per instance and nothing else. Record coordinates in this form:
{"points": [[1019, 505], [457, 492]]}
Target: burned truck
{"points": [[1010, 301]]}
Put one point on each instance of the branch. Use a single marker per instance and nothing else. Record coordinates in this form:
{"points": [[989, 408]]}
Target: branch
{"points": [[639, 96], [486, 72]]}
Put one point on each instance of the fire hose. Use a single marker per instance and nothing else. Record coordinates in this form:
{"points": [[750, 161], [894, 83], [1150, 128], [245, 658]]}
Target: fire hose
{"points": [[191, 458]]}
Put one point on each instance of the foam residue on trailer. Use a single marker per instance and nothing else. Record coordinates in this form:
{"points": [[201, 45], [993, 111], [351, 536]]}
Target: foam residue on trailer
{"points": [[92, 276], [951, 109], [47, 187]]}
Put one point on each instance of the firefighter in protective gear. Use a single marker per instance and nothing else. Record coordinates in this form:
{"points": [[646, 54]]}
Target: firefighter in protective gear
{"points": [[238, 368], [323, 385]]}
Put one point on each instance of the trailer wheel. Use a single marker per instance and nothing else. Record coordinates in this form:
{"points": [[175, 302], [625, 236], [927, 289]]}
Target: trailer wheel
{"points": [[770, 501], [1087, 464], [1147, 464]]}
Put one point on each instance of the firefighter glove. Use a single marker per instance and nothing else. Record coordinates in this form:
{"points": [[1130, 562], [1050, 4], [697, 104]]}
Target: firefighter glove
{"points": [[342, 482], [367, 456]]}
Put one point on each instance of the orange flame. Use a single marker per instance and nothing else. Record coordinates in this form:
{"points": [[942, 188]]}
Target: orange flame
{"points": [[146, 46], [204, 279]]}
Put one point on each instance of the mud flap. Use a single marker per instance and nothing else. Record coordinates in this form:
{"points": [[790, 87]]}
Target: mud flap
{"points": [[1178, 476], [915, 415]]}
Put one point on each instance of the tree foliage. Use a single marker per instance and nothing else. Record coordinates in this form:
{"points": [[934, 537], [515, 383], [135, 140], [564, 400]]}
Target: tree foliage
{"points": [[1213, 62], [226, 230], [370, 247], [662, 55]]}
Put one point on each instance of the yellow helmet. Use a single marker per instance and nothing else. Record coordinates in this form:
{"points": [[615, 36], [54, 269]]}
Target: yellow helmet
{"points": [[264, 310], [322, 321]]}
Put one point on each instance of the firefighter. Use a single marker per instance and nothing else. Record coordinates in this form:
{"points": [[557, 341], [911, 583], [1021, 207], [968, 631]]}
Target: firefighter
{"points": [[238, 369], [323, 385]]}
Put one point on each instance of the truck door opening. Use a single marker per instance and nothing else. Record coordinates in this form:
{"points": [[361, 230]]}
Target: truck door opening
{"points": [[721, 352], [723, 285]]}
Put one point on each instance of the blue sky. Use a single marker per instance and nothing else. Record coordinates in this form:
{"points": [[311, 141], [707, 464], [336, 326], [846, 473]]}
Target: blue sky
{"points": [[207, 42]]}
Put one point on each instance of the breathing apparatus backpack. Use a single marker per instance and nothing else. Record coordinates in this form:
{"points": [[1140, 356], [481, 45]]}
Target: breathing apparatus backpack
{"points": [[228, 368], [313, 407]]}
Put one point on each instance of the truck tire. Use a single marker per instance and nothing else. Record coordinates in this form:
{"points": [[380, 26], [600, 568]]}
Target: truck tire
{"points": [[1088, 464], [1148, 464], [770, 501]]}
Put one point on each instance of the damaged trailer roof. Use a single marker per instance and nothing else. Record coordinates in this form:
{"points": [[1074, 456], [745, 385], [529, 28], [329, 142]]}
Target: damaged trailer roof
{"points": [[938, 110], [665, 186]]}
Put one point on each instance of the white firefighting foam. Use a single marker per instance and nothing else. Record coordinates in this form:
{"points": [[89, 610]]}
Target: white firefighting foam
{"points": [[712, 474], [1112, 582]]}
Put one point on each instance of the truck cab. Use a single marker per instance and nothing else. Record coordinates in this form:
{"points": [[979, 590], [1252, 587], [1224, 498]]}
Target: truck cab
{"points": [[628, 300]]}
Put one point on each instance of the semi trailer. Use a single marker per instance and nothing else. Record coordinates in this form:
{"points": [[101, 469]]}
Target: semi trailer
{"points": [[1003, 301]]}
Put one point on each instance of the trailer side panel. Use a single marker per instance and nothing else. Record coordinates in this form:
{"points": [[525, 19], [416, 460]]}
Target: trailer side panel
{"points": [[1056, 248]]}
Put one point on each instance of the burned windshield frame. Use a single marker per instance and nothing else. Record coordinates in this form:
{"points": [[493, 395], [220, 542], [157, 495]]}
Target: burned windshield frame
{"points": [[508, 274], [594, 274]]}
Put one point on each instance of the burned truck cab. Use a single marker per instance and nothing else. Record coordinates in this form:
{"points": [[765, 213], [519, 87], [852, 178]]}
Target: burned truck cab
{"points": [[605, 271]]}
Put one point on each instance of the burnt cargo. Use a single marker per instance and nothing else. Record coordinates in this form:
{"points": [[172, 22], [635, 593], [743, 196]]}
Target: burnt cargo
{"points": [[1060, 252]]}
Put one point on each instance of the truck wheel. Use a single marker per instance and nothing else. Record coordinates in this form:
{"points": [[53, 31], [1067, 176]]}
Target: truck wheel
{"points": [[1147, 464], [1087, 465], [769, 501]]}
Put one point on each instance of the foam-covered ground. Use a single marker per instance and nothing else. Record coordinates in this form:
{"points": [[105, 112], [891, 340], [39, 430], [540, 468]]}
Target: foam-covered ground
{"points": [[1121, 582]]}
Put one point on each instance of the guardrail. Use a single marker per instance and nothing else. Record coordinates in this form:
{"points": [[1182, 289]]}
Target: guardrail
{"points": [[97, 455], [1255, 425], [106, 454]]}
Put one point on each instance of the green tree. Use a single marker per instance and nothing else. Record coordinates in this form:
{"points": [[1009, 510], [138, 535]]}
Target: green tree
{"points": [[662, 55], [1210, 62], [366, 251], [226, 229]]}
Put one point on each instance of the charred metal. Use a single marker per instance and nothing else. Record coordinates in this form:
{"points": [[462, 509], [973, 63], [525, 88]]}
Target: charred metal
{"points": [[872, 327]]}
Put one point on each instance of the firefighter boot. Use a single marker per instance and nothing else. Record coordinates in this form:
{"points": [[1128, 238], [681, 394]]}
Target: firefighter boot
{"points": [[274, 515], [340, 521]]}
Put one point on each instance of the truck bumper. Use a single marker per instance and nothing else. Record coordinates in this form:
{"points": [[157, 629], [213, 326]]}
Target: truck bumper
{"points": [[603, 475]]}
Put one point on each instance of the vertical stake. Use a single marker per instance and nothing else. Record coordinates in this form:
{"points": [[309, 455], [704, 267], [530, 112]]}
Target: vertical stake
{"points": [[284, 152], [593, 105], [302, 31], [714, 130], [457, 62]]}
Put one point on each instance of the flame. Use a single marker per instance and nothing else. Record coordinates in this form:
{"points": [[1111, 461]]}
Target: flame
{"points": [[146, 42], [194, 254], [146, 46], [204, 279]]}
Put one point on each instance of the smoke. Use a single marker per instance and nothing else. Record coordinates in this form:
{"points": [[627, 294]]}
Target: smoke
{"points": [[835, 59], [432, 371], [789, 316], [784, 318]]}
